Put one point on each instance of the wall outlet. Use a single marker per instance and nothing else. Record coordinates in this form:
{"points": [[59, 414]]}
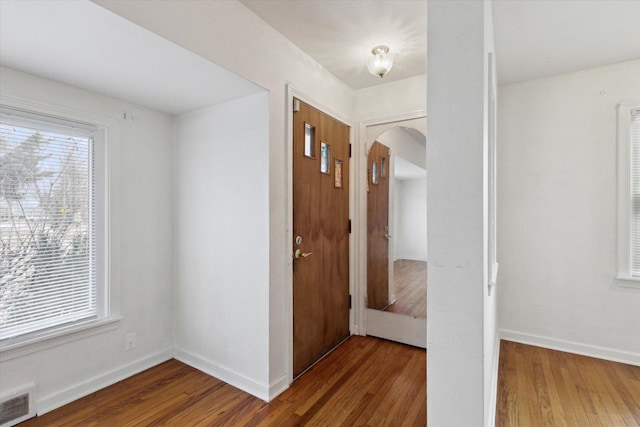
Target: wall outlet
{"points": [[131, 341]]}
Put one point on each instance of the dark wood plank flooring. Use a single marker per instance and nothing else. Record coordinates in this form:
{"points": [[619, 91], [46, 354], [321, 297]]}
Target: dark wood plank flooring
{"points": [[365, 382]]}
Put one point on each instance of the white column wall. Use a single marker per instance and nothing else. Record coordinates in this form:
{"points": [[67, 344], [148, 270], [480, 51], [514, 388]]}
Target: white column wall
{"points": [[491, 351], [461, 326]]}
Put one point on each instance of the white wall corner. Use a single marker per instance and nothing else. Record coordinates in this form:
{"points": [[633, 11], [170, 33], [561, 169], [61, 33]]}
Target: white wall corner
{"points": [[82, 389], [278, 386], [229, 376], [572, 347]]}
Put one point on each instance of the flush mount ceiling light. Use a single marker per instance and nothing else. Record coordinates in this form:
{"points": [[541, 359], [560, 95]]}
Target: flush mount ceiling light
{"points": [[381, 62]]}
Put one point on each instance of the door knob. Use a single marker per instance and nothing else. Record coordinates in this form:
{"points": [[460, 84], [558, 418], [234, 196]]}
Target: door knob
{"points": [[299, 254]]}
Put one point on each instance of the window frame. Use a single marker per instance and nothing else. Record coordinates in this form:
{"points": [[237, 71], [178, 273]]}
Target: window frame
{"points": [[106, 319], [624, 275]]}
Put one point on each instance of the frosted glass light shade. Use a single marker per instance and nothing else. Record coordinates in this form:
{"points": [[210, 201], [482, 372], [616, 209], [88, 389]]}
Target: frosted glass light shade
{"points": [[381, 62]]}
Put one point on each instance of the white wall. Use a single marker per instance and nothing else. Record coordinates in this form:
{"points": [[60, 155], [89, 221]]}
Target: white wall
{"points": [[230, 35], [222, 236], [391, 99], [461, 356], [141, 237], [557, 213], [404, 145], [409, 213], [491, 351], [410, 225]]}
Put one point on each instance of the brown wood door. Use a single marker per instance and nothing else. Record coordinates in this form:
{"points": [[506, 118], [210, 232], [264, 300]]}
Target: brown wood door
{"points": [[378, 226], [320, 235]]}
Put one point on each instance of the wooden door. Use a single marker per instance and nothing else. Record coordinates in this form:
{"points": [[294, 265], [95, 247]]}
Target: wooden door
{"points": [[378, 226], [320, 235]]}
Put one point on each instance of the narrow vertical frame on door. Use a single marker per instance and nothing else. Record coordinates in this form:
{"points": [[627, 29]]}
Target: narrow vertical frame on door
{"points": [[309, 141], [337, 170], [374, 173], [325, 156]]}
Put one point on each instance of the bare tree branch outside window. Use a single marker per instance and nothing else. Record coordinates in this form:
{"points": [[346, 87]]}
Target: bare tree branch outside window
{"points": [[46, 255]]}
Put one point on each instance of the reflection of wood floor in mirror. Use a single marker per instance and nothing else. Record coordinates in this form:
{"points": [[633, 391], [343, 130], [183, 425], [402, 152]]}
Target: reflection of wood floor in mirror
{"points": [[410, 278]]}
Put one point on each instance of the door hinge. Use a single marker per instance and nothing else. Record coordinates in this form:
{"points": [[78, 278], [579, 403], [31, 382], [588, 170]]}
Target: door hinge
{"points": [[349, 150], [349, 226], [296, 105], [349, 301]]}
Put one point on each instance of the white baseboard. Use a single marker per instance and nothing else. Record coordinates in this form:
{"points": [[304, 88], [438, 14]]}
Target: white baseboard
{"points": [[494, 383], [410, 258], [235, 379], [75, 392], [278, 386], [572, 347]]}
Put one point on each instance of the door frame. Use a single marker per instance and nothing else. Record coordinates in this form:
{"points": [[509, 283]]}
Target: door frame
{"points": [[292, 93], [360, 180]]}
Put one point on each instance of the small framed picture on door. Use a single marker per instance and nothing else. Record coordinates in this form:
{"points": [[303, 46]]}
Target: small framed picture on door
{"points": [[337, 170]]}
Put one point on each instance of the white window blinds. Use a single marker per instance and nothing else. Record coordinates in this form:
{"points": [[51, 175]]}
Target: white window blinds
{"points": [[635, 193], [47, 225]]}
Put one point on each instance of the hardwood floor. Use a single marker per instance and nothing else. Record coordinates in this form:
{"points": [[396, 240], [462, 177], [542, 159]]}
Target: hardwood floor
{"points": [[541, 387], [410, 279], [367, 382], [364, 382]]}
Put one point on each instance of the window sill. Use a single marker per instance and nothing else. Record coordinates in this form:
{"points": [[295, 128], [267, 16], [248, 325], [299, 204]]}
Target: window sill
{"points": [[628, 282], [59, 337]]}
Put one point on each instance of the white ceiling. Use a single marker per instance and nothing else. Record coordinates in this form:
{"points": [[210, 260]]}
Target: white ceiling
{"points": [[339, 34], [536, 38], [85, 45], [533, 38]]}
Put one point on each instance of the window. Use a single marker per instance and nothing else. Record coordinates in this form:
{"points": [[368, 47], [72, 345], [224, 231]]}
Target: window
{"points": [[629, 192], [635, 193], [48, 229]]}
